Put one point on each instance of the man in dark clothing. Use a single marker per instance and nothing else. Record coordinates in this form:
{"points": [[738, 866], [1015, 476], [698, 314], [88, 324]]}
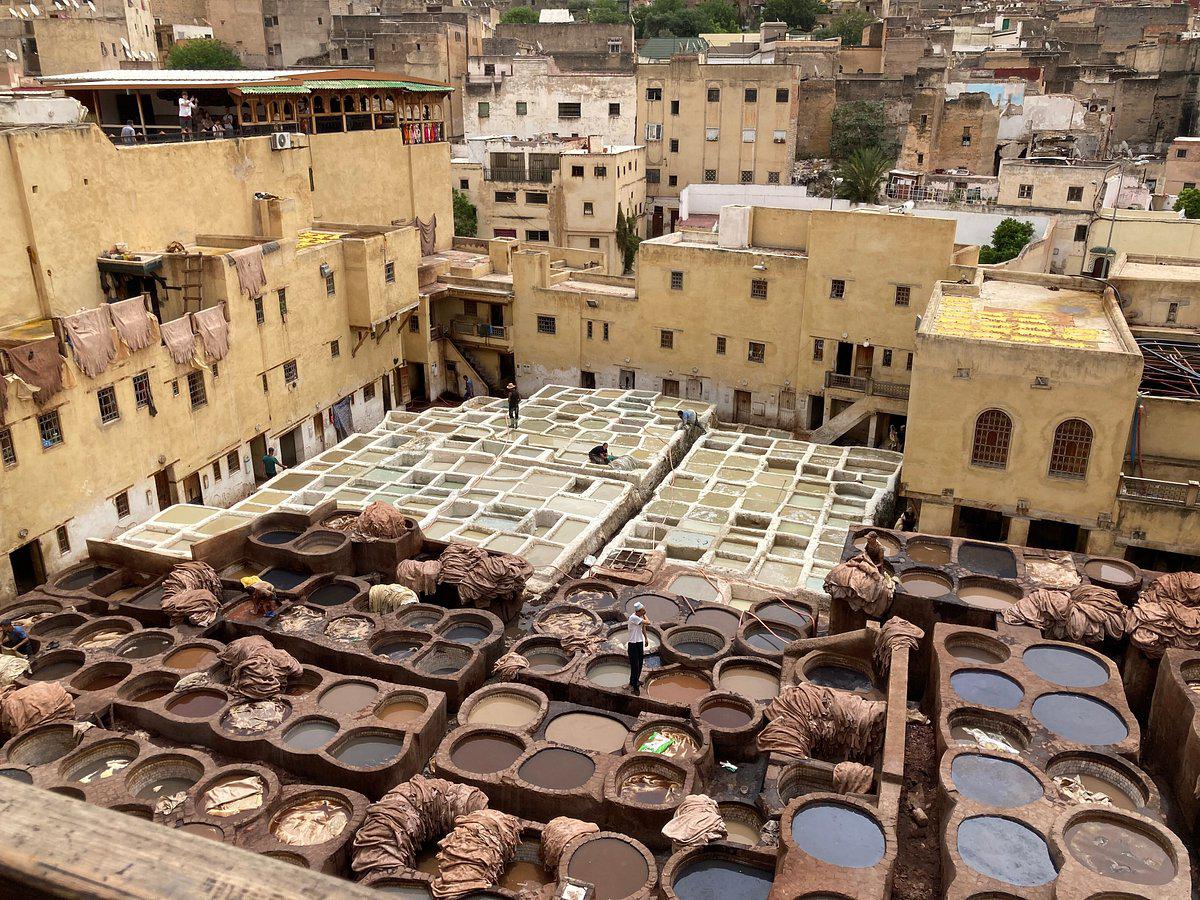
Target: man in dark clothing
{"points": [[514, 405], [599, 455], [271, 463]]}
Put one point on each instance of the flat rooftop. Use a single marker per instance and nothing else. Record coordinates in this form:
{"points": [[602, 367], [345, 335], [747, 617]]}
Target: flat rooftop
{"points": [[1155, 270], [1011, 312]]}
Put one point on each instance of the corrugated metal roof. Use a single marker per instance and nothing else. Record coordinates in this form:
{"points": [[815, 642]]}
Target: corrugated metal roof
{"points": [[275, 89], [367, 83], [665, 48], [176, 76]]}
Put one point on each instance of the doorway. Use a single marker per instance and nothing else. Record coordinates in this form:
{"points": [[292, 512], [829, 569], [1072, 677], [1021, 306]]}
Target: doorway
{"points": [[627, 379], [845, 358], [258, 449], [656, 222], [816, 411], [387, 393], [863, 360], [27, 566], [319, 430], [191, 489], [162, 487], [496, 316], [1048, 535], [670, 387], [287, 448], [587, 380], [508, 370], [980, 524], [741, 407], [416, 381]]}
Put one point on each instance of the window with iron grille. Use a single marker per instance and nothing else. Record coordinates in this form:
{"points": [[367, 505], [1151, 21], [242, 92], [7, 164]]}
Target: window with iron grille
{"points": [[837, 289], [747, 177], [1071, 448], [589, 208], [233, 462], [281, 294], [993, 433], [758, 289], [818, 349], [547, 325], [653, 93], [772, 178], [604, 332], [537, 198], [50, 429], [714, 95], [589, 329], [710, 175], [1172, 313], [757, 352], [1080, 233], [1074, 194], [63, 537], [414, 324], [330, 285], [259, 315], [389, 272], [1025, 192], [506, 196], [522, 107], [674, 107], [121, 502], [674, 145], [570, 110], [614, 109], [781, 95], [903, 294], [217, 470], [751, 95], [196, 391], [368, 392], [537, 235], [470, 308], [887, 359], [290, 373], [335, 349], [908, 364], [677, 281], [8, 452], [673, 181], [666, 339], [652, 176], [174, 387], [106, 397], [720, 346]]}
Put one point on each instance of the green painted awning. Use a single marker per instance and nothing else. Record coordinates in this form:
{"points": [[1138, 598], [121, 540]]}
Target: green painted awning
{"points": [[274, 89], [360, 84]]}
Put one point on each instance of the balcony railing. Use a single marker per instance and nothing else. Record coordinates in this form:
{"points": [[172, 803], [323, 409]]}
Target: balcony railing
{"points": [[971, 195], [1150, 490], [479, 332], [521, 176], [891, 389]]}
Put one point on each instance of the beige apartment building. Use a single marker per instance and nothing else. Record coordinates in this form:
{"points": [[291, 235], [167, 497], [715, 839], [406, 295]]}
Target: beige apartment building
{"points": [[714, 123], [563, 193], [333, 329], [107, 34]]}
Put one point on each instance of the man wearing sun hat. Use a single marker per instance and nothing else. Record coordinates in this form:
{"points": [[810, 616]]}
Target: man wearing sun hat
{"points": [[636, 646]]}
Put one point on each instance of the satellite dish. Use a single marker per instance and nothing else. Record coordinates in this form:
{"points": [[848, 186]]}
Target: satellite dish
{"points": [[10, 55], [33, 9], [24, 13], [125, 43], [12, 12]]}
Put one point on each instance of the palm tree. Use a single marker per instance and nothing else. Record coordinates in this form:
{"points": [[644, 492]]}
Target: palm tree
{"points": [[862, 173]]}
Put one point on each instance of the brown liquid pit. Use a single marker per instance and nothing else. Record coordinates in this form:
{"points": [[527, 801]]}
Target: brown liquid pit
{"points": [[718, 619], [558, 769], [587, 731], [974, 653], [520, 872], [891, 546], [1120, 799], [545, 662], [54, 671], [197, 704], [191, 658], [348, 697], [427, 860], [741, 832], [203, 829], [1119, 852], [926, 585], [504, 709], [1113, 573], [615, 867], [725, 714], [985, 597], [929, 553], [399, 711], [151, 694], [103, 682], [484, 754], [678, 687]]}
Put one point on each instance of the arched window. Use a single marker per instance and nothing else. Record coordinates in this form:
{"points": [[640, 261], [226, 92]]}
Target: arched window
{"points": [[1071, 449], [993, 432]]}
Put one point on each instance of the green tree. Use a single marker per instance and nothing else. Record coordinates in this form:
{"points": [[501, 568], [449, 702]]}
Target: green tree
{"points": [[862, 173], [202, 53], [1189, 202], [722, 17], [628, 238], [860, 123], [800, 14], [607, 12], [669, 18], [465, 222], [1009, 238], [520, 15], [848, 26]]}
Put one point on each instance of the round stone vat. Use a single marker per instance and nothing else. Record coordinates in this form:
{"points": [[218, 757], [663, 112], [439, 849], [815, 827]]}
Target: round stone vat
{"points": [[55, 627], [610, 670], [98, 762], [841, 834], [1006, 850], [101, 676], [197, 704], [249, 717], [891, 546], [334, 593], [986, 688], [190, 657], [310, 818], [17, 775], [1120, 847], [162, 776], [723, 619], [743, 823], [839, 672], [598, 596], [100, 634], [726, 712], [277, 536], [709, 874], [660, 610], [309, 734], [545, 654], [420, 616], [617, 866], [349, 629], [698, 588], [748, 676], [79, 577], [927, 552], [321, 541], [766, 638], [795, 615], [145, 644], [203, 829], [618, 637], [670, 739], [987, 730], [587, 731], [396, 647], [694, 645], [368, 748], [399, 708], [678, 686], [973, 647], [484, 751], [565, 618], [233, 793], [346, 697], [987, 559], [987, 593], [1066, 666], [465, 628], [55, 665], [994, 780], [148, 687], [557, 769], [926, 584], [649, 781], [525, 869], [1115, 574], [1079, 718], [510, 705], [42, 744], [1102, 777], [305, 684]]}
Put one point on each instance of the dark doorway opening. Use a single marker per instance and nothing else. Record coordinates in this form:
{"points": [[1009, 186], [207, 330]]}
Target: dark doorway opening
{"points": [[741, 406], [845, 358], [980, 524], [587, 380], [1162, 560], [416, 383], [287, 448], [258, 449], [27, 566], [816, 411], [508, 370], [162, 487], [1056, 536], [191, 489]]}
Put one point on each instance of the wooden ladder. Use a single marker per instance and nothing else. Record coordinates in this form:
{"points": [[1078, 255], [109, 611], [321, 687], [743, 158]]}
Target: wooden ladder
{"points": [[192, 282]]}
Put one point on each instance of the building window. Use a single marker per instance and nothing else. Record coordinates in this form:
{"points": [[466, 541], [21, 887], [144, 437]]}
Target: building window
{"points": [[547, 325], [1080, 233], [887, 359], [50, 429], [174, 387], [216, 470], [673, 181], [614, 109], [522, 108], [464, 184], [330, 285], [1074, 194], [604, 331], [485, 109], [594, 243], [781, 95], [720, 346], [652, 176], [570, 110], [590, 329], [588, 208], [751, 95], [1181, 154], [414, 324], [966, 136], [368, 392], [506, 196], [63, 538], [837, 289], [903, 294], [677, 281], [600, 171], [993, 432], [614, 45], [576, 171], [747, 177], [537, 198], [712, 134], [196, 391], [1071, 448], [533, 234], [653, 93], [779, 137], [282, 295], [1025, 192], [8, 453], [291, 374], [389, 272], [1172, 313], [920, 159], [757, 352], [666, 339], [674, 146], [674, 107], [107, 398], [908, 364], [259, 315], [470, 308], [335, 349], [818, 349], [758, 289], [265, 386], [710, 176], [714, 95], [748, 135], [233, 462]]}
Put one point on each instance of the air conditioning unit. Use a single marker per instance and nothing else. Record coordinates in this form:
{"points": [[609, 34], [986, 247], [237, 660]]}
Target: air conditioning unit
{"points": [[281, 140]]}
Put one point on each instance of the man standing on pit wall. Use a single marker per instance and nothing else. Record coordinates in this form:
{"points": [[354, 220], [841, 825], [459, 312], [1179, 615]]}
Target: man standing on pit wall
{"points": [[636, 646], [514, 405]]}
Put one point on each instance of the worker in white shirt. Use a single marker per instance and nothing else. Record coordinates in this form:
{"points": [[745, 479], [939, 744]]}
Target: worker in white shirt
{"points": [[636, 646]]}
